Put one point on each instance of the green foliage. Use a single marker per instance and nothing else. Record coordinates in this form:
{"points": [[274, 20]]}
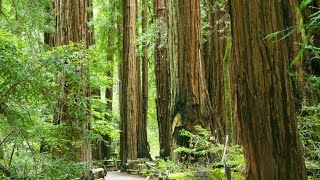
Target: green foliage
{"points": [[182, 176], [28, 19], [313, 93], [204, 153], [304, 4], [30, 143], [199, 144], [44, 167], [203, 147], [172, 166], [216, 174], [309, 128], [27, 98]]}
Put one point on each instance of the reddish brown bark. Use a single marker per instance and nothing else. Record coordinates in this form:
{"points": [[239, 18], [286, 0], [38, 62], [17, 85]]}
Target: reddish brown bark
{"points": [[265, 105], [143, 145], [217, 41], [129, 86], [162, 79], [189, 101]]}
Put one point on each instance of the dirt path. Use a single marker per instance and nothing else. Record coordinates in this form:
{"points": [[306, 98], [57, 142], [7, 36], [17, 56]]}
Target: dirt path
{"points": [[116, 175]]}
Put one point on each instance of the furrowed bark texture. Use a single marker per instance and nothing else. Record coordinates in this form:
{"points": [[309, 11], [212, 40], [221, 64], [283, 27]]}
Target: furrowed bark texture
{"points": [[130, 85], [72, 18], [189, 101], [217, 41], [265, 105], [162, 79], [143, 145]]}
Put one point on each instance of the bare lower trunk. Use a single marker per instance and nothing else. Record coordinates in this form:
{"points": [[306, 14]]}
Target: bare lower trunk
{"points": [[162, 79], [143, 145], [265, 105], [130, 98], [217, 41], [189, 101]]}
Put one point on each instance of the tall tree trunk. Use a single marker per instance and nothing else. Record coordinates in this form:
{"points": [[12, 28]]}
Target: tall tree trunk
{"points": [[265, 105], [189, 101], [130, 99], [162, 79], [217, 41], [143, 146], [71, 25]]}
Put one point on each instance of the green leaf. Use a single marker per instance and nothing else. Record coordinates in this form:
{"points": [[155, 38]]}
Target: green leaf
{"points": [[304, 4], [298, 57]]}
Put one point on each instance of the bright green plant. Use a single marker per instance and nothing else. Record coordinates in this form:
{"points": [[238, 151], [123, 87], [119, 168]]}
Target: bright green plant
{"points": [[28, 97], [182, 176], [204, 154], [309, 128]]}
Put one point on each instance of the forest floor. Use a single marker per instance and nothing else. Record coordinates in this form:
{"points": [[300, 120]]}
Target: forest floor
{"points": [[116, 175]]}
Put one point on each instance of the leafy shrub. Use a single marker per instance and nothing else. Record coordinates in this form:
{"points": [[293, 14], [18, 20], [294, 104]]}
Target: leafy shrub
{"points": [[204, 153], [309, 128], [182, 176]]}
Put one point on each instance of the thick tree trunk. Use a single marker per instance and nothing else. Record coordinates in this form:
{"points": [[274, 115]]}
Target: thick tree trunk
{"points": [[72, 17], [265, 105], [143, 145], [162, 79], [189, 101], [130, 98], [71, 25]]}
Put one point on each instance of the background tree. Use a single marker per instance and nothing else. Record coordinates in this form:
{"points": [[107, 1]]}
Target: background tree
{"points": [[265, 106], [143, 146], [162, 78], [214, 63]]}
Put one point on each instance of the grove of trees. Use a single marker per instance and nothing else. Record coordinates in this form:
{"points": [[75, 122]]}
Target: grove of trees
{"points": [[192, 85]]}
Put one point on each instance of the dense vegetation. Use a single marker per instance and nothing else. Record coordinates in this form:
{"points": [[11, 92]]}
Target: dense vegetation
{"points": [[67, 106]]}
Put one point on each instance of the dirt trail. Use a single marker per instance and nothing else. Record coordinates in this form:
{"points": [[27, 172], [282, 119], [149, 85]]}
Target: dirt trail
{"points": [[116, 175]]}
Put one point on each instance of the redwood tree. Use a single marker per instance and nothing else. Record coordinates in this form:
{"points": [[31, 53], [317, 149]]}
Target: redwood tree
{"points": [[143, 146], [214, 61], [129, 85], [162, 79], [72, 17], [265, 105], [189, 102]]}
